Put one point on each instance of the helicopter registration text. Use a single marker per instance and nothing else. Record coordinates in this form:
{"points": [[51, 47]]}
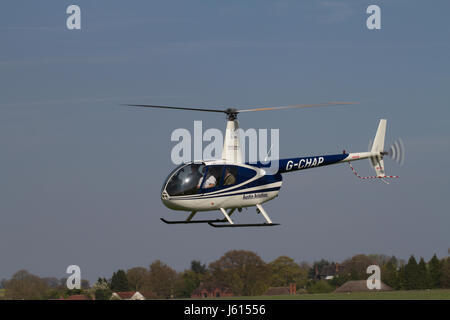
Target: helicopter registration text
{"points": [[305, 163]]}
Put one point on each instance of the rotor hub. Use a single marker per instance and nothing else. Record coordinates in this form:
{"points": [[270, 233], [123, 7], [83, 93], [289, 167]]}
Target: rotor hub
{"points": [[231, 114]]}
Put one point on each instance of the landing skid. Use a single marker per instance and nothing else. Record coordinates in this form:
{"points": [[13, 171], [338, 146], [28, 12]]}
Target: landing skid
{"points": [[192, 221], [222, 223], [231, 224], [235, 225]]}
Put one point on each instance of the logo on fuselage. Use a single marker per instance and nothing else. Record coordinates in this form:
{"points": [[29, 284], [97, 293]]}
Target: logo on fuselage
{"points": [[254, 196]]}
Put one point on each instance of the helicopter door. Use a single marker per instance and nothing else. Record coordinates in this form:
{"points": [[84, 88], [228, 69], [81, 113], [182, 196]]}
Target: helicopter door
{"points": [[212, 179]]}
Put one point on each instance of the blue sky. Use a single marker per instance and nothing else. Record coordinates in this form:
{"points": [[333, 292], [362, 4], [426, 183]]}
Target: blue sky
{"points": [[81, 175]]}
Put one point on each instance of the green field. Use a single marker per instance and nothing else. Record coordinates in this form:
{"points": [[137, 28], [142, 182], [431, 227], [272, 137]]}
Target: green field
{"points": [[439, 294]]}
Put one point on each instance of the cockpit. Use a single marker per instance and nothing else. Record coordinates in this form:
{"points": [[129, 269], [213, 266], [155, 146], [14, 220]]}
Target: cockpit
{"points": [[194, 178], [185, 179]]}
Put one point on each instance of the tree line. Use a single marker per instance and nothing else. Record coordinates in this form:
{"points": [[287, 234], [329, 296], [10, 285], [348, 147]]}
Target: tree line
{"points": [[244, 273]]}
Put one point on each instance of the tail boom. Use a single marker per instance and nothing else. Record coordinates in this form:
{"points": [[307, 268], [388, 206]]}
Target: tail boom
{"points": [[375, 155], [295, 164]]}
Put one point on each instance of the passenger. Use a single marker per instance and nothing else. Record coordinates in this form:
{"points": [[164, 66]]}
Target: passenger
{"points": [[229, 178]]}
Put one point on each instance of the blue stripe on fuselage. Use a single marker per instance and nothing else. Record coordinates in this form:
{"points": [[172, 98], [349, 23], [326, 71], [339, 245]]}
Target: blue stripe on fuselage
{"points": [[262, 181], [206, 196]]}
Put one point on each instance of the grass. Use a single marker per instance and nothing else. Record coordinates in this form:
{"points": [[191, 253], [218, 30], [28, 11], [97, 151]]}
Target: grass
{"points": [[438, 294]]}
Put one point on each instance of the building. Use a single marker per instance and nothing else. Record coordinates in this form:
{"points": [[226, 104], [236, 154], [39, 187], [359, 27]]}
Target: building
{"points": [[328, 272], [279, 291], [211, 291], [360, 286]]}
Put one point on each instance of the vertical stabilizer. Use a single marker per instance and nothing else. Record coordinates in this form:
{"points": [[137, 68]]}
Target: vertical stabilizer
{"points": [[378, 143], [377, 148]]}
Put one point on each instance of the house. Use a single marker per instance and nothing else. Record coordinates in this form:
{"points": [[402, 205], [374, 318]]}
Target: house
{"points": [[278, 291], [128, 295], [360, 286], [328, 272], [211, 291]]}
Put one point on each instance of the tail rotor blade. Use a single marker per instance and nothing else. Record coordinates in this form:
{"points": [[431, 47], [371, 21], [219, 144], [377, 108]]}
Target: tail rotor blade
{"points": [[401, 151], [397, 151]]}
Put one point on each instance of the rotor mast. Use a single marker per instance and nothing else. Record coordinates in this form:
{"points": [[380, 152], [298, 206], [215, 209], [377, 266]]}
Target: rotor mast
{"points": [[231, 146]]}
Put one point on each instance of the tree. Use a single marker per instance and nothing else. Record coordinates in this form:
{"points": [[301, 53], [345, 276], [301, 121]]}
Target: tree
{"points": [[187, 282], [435, 272], [390, 275], [103, 294], [411, 274], [243, 272], [101, 289], [162, 279], [401, 278], [379, 259], [25, 286], [3, 283], [52, 282], [445, 273], [321, 286], [137, 278], [198, 267], [284, 271], [357, 266], [423, 275], [119, 282]]}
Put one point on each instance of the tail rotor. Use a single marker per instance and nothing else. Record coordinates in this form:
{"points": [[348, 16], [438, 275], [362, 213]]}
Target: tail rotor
{"points": [[397, 151]]}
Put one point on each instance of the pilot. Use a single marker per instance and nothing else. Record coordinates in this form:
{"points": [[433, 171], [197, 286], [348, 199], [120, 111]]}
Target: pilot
{"points": [[210, 182], [229, 178]]}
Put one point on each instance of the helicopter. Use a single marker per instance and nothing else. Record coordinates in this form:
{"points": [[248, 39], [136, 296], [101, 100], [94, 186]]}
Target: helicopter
{"points": [[229, 184]]}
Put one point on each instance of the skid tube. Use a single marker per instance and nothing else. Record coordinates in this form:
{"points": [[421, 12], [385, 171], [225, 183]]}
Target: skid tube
{"points": [[192, 221], [235, 225]]}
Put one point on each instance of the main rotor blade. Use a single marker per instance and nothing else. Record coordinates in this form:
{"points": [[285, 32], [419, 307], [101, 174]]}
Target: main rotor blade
{"points": [[298, 106], [175, 108]]}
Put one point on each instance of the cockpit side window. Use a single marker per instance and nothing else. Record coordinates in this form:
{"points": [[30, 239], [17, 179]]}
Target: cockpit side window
{"points": [[245, 174], [185, 180]]}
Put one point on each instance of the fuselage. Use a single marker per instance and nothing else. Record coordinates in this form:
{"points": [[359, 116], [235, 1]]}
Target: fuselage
{"points": [[186, 190], [205, 186]]}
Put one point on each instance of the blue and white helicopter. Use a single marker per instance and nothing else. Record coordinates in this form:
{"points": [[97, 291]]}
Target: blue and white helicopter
{"points": [[230, 184]]}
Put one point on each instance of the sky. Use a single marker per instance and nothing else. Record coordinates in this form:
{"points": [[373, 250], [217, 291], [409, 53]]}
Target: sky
{"points": [[80, 174]]}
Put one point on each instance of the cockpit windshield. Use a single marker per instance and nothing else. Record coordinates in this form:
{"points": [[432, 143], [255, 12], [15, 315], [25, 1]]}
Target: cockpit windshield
{"points": [[186, 180]]}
